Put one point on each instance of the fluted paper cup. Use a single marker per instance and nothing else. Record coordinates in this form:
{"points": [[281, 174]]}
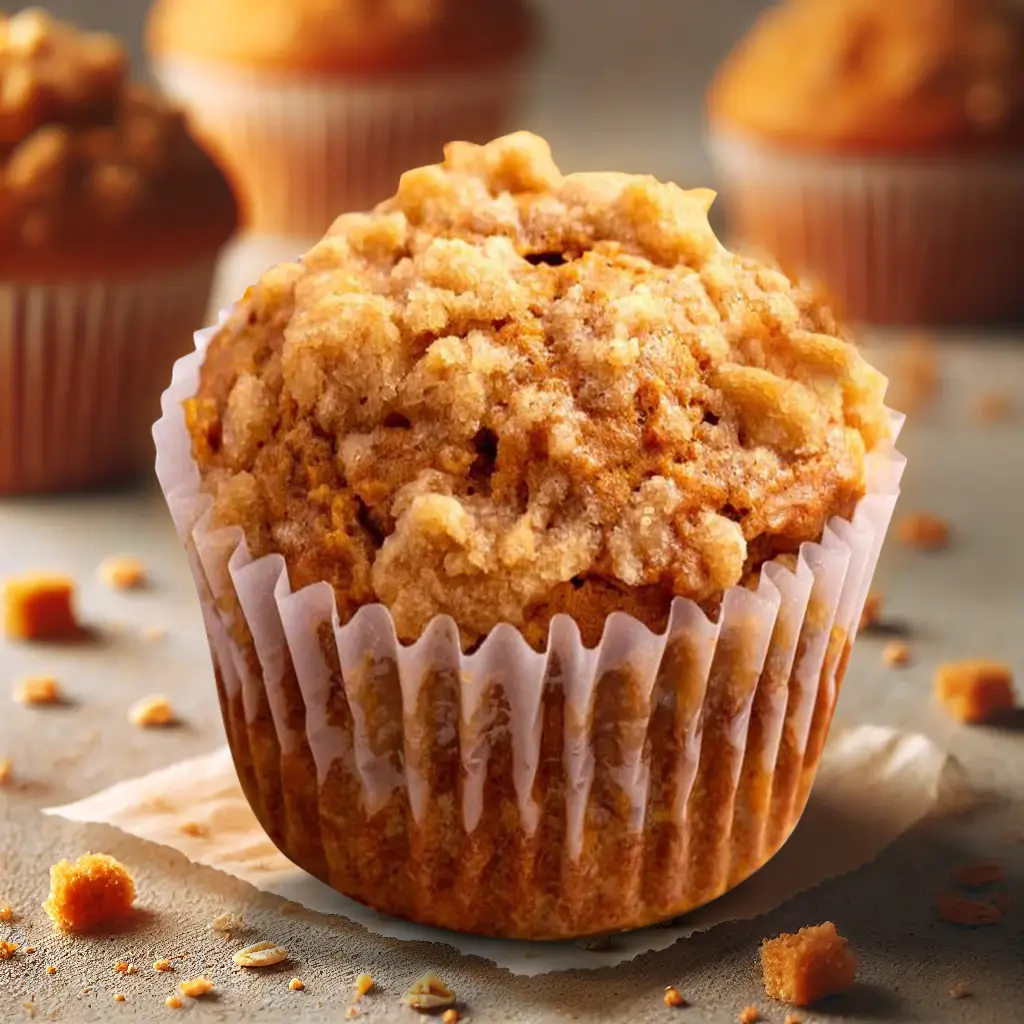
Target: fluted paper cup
{"points": [[912, 241], [82, 367], [305, 149], [515, 793]]}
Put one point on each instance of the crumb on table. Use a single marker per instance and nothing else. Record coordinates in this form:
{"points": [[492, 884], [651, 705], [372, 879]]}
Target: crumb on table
{"points": [[296, 984], [122, 572], [363, 985], [974, 690], [227, 922], [960, 990], [673, 997], [428, 993], [749, 1015], [792, 1018], [38, 691], [451, 1016], [805, 967], [871, 611], [39, 606], [896, 654], [7, 950], [90, 891], [6, 770], [193, 829], [924, 531], [974, 876], [150, 712], [196, 987], [173, 1002], [163, 965], [119, 998], [6, 914], [29, 949], [50, 969], [961, 910]]}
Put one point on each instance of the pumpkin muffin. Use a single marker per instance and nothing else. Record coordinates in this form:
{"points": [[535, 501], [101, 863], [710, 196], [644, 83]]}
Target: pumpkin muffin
{"points": [[110, 221], [539, 472], [317, 106], [879, 147]]}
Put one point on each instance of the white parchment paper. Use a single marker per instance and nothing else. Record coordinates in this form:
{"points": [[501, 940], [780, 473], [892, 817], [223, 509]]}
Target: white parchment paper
{"points": [[873, 784]]}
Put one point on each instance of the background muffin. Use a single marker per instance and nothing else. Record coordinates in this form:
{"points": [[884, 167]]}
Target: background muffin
{"points": [[110, 221], [880, 147], [318, 105], [504, 395]]}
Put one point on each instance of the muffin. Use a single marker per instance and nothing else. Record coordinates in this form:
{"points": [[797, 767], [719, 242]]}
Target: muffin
{"points": [[879, 147], [111, 218], [532, 530], [317, 106]]}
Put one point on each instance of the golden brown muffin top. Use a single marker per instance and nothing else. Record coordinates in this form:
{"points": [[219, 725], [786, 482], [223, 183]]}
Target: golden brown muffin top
{"points": [[95, 174], [507, 393], [879, 76], [341, 36]]}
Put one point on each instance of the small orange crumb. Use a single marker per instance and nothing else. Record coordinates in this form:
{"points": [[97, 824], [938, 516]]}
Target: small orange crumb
{"points": [[451, 1016], [122, 572], [923, 530], [121, 967], [194, 829], [792, 1018], [7, 950], [39, 606], [6, 771], [30, 949], [673, 997], [974, 690], [992, 407], [803, 968], [119, 998], [153, 633], [38, 691], [6, 914], [871, 611], [172, 1003], [92, 890], [195, 987], [959, 910], [976, 875], [960, 991], [151, 711], [749, 1015], [896, 654], [296, 984], [351, 1012], [163, 965], [50, 969], [363, 985]]}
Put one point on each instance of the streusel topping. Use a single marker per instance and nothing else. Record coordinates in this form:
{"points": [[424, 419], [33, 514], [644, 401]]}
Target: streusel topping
{"points": [[508, 393]]}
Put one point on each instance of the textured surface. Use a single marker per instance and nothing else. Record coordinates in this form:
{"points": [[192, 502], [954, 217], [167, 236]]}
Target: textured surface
{"points": [[957, 603]]}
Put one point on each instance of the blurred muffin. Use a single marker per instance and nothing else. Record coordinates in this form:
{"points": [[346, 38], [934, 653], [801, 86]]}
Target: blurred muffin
{"points": [[317, 106], [110, 221], [879, 147], [512, 412]]}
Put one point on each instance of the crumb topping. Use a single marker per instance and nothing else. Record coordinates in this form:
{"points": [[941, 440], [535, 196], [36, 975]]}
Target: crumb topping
{"points": [[508, 393]]}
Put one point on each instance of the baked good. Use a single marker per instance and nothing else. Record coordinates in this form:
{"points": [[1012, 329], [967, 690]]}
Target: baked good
{"points": [[110, 220], [508, 417], [880, 148], [806, 967], [317, 106]]}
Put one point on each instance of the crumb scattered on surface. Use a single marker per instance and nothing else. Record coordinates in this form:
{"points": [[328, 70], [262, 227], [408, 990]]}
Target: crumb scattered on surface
{"points": [[163, 965], [194, 829], [451, 1016], [122, 572], [805, 967], [6, 770], [92, 890], [673, 997], [992, 407], [50, 969], [364, 983], [924, 531], [974, 690], [976, 875], [151, 711], [7, 950], [428, 993], [6, 914], [792, 1018], [960, 990], [227, 922], [151, 633], [119, 998], [749, 1015], [296, 984], [261, 954], [871, 611], [195, 987], [30, 949], [173, 1003], [896, 654], [39, 606], [351, 1012], [961, 910], [38, 691]]}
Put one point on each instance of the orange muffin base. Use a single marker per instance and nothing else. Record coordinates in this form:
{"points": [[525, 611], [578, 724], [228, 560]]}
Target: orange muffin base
{"points": [[913, 241]]}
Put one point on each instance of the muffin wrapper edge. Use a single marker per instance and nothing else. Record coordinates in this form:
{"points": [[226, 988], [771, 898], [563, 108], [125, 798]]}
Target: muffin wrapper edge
{"points": [[82, 367], [516, 793], [910, 241]]}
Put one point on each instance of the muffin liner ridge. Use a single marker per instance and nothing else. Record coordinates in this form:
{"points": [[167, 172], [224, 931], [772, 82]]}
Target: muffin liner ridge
{"points": [[514, 793], [898, 241]]}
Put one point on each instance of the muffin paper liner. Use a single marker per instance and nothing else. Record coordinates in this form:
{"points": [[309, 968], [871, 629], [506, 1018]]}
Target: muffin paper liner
{"points": [[510, 792], [896, 241], [305, 149], [82, 366]]}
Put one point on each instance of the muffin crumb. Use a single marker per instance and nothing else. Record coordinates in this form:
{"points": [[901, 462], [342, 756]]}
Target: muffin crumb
{"points": [[6, 914], [163, 965], [749, 1015], [792, 1018], [960, 990], [296, 984], [673, 997], [151, 712], [39, 691], [122, 572], [153, 633], [6, 770], [119, 998], [93, 890], [451, 1016], [195, 987], [50, 969], [960, 910], [974, 690], [227, 922], [173, 1002], [975, 876], [7, 949], [364, 984], [924, 531], [39, 606], [196, 831], [428, 993], [805, 967], [896, 654]]}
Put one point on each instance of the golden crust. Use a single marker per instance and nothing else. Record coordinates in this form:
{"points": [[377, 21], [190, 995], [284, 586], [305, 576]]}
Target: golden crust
{"points": [[96, 175], [876, 76], [340, 36], [508, 393]]}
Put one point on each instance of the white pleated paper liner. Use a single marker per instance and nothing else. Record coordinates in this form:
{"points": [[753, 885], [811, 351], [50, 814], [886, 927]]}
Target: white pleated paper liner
{"points": [[304, 149], [511, 792], [896, 241]]}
